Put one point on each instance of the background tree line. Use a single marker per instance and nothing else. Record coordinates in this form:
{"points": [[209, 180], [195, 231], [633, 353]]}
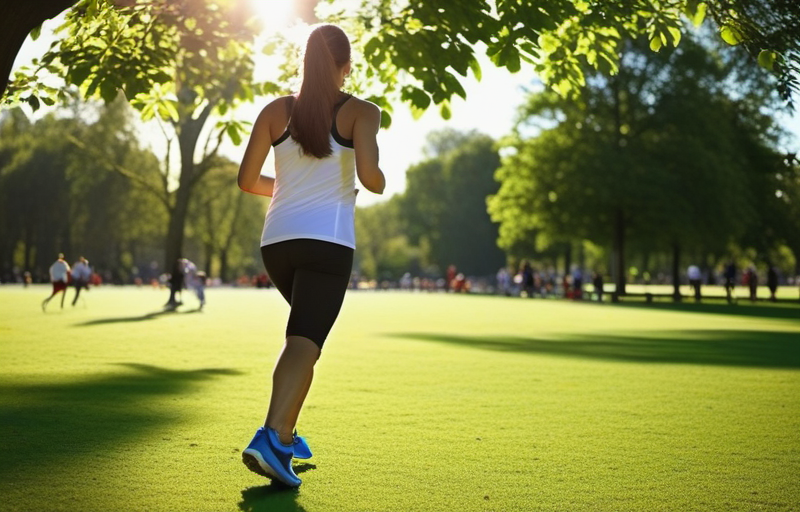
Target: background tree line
{"points": [[673, 161], [65, 186], [186, 63], [676, 154]]}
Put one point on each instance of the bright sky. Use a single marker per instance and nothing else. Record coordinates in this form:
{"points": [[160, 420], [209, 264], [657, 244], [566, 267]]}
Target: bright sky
{"points": [[490, 108]]}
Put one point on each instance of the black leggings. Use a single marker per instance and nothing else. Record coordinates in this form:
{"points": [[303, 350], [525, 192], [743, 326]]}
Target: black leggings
{"points": [[312, 276]]}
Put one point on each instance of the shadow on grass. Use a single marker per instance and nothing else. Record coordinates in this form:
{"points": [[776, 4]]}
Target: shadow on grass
{"points": [[47, 427], [759, 349], [273, 497], [789, 311], [140, 318]]}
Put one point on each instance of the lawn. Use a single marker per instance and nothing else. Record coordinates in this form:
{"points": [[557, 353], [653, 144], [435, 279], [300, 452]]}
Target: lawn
{"points": [[422, 402]]}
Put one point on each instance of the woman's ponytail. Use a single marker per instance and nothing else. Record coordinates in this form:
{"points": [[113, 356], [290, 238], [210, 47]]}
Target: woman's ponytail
{"points": [[327, 50]]}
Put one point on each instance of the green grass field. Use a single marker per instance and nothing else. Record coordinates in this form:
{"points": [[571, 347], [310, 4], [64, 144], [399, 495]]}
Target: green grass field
{"points": [[422, 402]]}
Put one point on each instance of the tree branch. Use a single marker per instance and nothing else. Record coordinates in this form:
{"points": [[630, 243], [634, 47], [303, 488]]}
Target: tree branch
{"points": [[113, 166]]}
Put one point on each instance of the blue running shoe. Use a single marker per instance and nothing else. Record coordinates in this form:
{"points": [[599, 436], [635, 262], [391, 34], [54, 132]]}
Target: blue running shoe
{"points": [[267, 456], [301, 449]]}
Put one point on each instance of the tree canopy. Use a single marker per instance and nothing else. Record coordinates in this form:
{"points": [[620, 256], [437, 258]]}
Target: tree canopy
{"points": [[417, 50], [665, 154]]}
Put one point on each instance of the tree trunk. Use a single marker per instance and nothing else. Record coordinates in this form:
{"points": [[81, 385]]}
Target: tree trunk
{"points": [[177, 222], [17, 19], [619, 252], [676, 272], [29, 264], [209, 256], [188, 132], [223, 265]]}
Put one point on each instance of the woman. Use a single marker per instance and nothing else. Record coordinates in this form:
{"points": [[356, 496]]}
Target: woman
{"points": [[322, 139]]}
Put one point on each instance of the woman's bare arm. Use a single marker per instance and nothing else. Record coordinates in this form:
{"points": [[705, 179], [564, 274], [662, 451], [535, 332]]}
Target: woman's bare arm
{"points": [[250, 177], [365, 143]]}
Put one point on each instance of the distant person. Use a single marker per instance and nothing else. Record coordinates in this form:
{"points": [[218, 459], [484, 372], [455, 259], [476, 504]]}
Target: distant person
{"points": [[450, 277], [730, 280], [695, 279], [503, 281], [752, 283], [597, 282], [527, 278], [192, 279], [772, 282], [323, 138], [200, 281], [577, 283], [176, 283], [81, 275], [59, 277]]}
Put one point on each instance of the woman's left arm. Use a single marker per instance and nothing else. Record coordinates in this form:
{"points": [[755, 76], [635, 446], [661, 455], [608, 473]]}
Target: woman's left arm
{"points": [[250, 177]]}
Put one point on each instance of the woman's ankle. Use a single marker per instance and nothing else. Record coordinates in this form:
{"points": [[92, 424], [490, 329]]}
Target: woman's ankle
{"points": [[285, 437]]}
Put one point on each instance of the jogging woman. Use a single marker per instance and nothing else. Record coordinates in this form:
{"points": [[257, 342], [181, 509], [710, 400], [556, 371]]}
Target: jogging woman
{"points": [[323, 138]]}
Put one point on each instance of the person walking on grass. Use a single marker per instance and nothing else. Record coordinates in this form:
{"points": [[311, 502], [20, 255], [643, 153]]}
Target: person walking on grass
{"points": [[730, 280], [81, 274], [322, 139], [59, 277], [772, 282], [695, 280]]}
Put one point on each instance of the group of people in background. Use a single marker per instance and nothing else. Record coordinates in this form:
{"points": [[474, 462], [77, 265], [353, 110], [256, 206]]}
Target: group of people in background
{"points": [[530, 282], [749, 279], [527, 281], [62, 275], [80, 276], [730, 274]]}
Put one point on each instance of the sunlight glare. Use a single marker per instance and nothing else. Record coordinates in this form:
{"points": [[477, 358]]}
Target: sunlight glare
{"points": [[275, 15]]}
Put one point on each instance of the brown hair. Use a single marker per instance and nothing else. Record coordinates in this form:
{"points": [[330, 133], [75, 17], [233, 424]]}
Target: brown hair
{"points": [[327, 50]]}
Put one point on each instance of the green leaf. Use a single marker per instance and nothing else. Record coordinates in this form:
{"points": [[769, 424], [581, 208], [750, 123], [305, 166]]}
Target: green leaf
{"points": [[675, 32], [655, 43], [699, 14], [108, 91], [168, 110], [731, 35], [36, 32], [33, 101], [475, 66], [766, 59], [80, 73], [418, 98], [386, 119], [233, 133], [444, 110]]}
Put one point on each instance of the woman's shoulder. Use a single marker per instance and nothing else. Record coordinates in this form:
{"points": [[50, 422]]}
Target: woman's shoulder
{"points": [[361, 108], [363, 104], [278, 105]]}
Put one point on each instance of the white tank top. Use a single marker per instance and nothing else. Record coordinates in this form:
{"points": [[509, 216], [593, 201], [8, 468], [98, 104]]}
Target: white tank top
{"points": [[313, 197]]}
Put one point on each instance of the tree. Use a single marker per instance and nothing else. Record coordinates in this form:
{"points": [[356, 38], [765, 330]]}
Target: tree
{"points": [[383, 250], [177, 62], [225, 222], [444, 205], [54, 200], [660, 153]]}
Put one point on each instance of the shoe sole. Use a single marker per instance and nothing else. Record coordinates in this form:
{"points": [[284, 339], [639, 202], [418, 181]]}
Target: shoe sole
{"points": [[255, 463]]}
